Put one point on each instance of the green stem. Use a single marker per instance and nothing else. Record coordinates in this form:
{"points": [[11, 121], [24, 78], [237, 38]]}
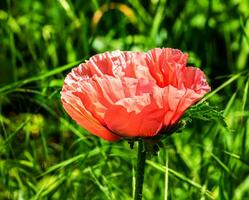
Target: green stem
{"points": [[141, 157]]}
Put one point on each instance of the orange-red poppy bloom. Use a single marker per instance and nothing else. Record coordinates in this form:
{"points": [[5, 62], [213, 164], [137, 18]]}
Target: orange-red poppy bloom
{"points": [[132, 94]]}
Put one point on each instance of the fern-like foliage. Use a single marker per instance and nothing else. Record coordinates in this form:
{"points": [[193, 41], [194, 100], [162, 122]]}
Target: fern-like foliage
{"points": [[205, 112]]}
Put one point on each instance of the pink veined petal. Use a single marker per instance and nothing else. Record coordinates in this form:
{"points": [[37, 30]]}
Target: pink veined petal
{"points": [[152, 59], [177, 102], [195, 79], [80, 73], [88, 94], [168, 98], [117, 64], [84, 118], [137, 87], [196, 87], [172, 96], [165, 65], [174, 102], [98, 93], [188, 99], [136, 66], [109, 89], [135, 117], [85, 91], [108, 63]]}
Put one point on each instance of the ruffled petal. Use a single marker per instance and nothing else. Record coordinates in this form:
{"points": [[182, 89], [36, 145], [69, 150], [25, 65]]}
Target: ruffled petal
{"points": [[136, 66], [194, 79], [99, 93], [117, 64], [91, 98], [188, 99], [168, 98], [136, 116], [175, 102], [165, 64], [78, 112], [109, 89]]}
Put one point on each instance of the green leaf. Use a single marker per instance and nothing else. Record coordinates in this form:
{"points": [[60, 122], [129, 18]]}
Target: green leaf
{"points": [[205, 112]]}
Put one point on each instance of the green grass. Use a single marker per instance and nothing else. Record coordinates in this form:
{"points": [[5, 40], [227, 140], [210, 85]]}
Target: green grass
{"points": [[45, 155]]}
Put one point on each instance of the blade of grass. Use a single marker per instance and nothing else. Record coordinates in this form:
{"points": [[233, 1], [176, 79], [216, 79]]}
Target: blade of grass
{"points": [[70, 161], [244, 136], [142, 13], [242, 190], [217, 159], [12, 135], [229, 104], [245, 95], [166, 176], [9, 88], [104, 189], [157, 21], [232, 155], [49, 187], [236, 156], [133, 180], [226, 83], [244, 30], [182, 178], [223, 165], [62, 120]]}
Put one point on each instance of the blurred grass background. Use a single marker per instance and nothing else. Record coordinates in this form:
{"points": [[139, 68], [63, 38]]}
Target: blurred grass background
{"points": [[45, 155]]}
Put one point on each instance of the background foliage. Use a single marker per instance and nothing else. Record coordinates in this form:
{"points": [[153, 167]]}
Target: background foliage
{"points": [[45, 155]]}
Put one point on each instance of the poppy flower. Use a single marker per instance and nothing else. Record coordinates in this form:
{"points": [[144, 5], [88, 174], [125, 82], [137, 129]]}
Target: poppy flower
{"points": [[132, 94]]}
